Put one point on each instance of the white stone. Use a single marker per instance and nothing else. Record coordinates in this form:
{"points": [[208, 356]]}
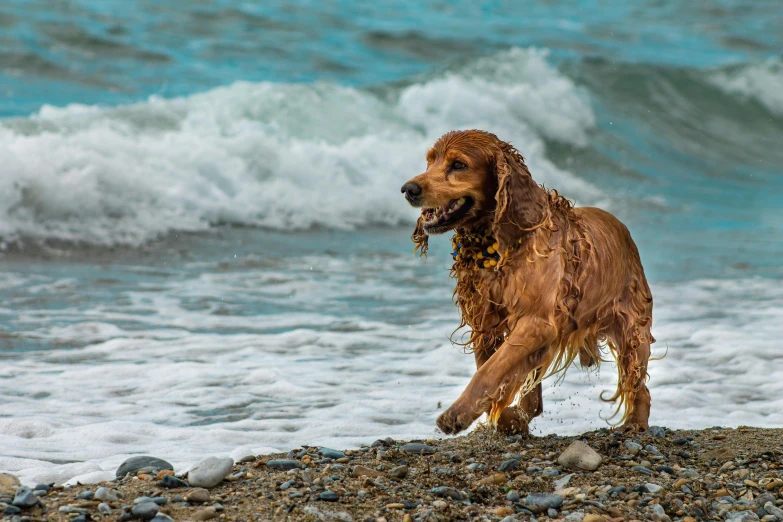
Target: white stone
{"points": [[580, 455], [209, 472]]}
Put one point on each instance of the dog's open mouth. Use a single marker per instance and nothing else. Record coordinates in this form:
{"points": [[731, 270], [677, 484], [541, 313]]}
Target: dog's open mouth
{"points": [[447, 216]]}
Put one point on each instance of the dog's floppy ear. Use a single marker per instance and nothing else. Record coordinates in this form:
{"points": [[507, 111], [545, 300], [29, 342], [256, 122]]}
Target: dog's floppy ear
{"points": [[521, 203], [420, 237]]}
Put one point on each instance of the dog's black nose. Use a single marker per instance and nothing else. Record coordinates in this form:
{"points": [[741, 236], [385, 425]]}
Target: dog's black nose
{"points": [[412, 191]]}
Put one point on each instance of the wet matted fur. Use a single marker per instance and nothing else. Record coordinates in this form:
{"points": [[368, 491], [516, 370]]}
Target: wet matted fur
{"points": [[539, 282]]}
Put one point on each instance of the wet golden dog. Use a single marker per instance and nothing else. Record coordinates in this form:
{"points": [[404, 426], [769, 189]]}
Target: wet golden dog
{"points": [[539, 282]]}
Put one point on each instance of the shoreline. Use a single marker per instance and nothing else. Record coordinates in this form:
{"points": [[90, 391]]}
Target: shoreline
{"points": [[709, 474]]}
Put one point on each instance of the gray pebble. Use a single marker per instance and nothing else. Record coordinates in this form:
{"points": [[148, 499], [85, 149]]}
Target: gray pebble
{"points": [[106, 494], [170, 481], [652, 449], [145, 510], [419, 449], [161, 501], [656, 431], [773, 510], [763, 499], [477, 466], [142, 462], [653, 488], [85, 495], [642, 469], [283, 464], [331, 453], [329, 496], [162, 517], [69, 510], [42, 487], [633, 447], [513, 496], [551, 513], [543, 500], [447, 492], [510, 464], [24, 498], [12, 510], [742, 516], [104, 508]]}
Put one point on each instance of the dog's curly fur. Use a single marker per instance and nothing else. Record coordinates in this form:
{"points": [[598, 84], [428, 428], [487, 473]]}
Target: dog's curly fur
{"points": [[568, 281]]}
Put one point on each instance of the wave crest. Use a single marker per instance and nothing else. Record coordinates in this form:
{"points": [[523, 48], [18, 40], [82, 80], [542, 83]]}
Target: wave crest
{"points": [[283, 156], [762, 82]]}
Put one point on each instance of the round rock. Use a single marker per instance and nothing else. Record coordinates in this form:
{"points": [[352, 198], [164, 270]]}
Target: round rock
{"points": [[329, 496], [581, 456], [170, 481], [510, 464], [283, 464], [106, 494], [419, 449], [447, 492], [331, 453], [198, 495], [544, 501], [142, 462], [24, 498], [210, 472], [145, 510]]}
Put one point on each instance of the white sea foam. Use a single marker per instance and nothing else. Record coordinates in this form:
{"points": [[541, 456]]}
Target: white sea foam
{"points": [[150, 372], [762, 82], [284, 156]]}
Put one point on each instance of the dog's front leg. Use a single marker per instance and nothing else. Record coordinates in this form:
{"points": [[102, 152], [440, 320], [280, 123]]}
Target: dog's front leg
{"points": [[499, 378]]}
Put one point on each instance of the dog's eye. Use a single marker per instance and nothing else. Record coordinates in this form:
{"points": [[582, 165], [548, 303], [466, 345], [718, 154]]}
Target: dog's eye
{"points": [[458, 165]]}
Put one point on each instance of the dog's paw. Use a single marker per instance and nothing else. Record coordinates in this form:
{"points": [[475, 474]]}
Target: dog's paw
{"points": [[632, 426], [513, 422], [455, 420]]}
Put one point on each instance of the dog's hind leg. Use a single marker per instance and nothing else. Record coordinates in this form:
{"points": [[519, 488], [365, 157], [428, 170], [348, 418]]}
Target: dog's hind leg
{"points": [[631, 340], [515, 420]]}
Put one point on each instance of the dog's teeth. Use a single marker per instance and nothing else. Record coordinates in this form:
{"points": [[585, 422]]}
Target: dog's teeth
{"points": [[461, 201]]}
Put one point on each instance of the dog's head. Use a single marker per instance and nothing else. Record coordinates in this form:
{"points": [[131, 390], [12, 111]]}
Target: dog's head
{"points": [[474, 181]]}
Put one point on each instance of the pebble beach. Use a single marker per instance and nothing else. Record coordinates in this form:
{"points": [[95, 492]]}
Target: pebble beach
{"points": [[604, 475]]}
